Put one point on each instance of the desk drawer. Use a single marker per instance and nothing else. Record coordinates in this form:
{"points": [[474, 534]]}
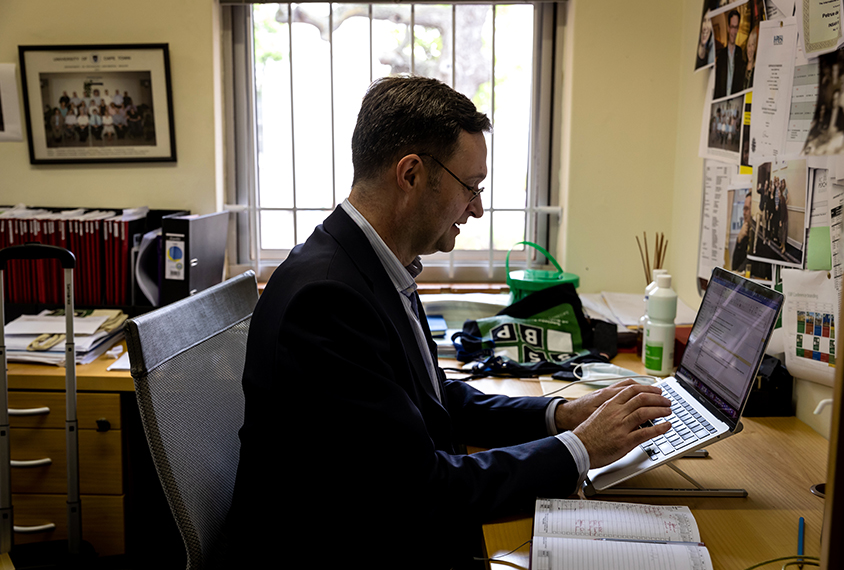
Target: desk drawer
{"points": [[89, 409], [102, 520], [100, 461]]}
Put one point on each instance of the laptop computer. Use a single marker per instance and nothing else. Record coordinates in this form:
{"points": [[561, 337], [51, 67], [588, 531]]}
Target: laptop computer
{"points": [[713, 382]]}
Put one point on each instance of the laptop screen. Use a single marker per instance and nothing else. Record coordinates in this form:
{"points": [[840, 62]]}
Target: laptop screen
{"points": [[728, 340]]}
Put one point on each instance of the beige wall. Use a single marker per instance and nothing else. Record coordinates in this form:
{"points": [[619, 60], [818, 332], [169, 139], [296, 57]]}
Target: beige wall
{"points": [[623, 63], [189, 26]]}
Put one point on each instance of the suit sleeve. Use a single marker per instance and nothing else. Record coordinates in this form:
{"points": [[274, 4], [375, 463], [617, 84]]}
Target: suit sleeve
{"points": [[492, 420], [374, 441]]}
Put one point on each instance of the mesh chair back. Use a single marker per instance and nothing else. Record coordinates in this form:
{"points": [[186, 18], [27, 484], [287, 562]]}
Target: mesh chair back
{"points": [[187, 362]]}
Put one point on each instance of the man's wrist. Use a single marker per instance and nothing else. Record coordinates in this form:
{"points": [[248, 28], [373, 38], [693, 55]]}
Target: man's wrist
{"points": [[578, 453], [551, 424]]}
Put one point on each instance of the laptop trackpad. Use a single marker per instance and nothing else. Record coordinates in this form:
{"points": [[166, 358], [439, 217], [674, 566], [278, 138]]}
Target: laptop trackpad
{"points": [[631, 464]]}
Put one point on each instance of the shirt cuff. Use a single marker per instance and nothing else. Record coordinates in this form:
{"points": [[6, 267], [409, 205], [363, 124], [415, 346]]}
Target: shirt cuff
{"points": [[578, 453], [550, 415]]}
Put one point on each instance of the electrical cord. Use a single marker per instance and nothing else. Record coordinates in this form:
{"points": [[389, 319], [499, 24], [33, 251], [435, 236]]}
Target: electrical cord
{"points": [[795, 560], [499, 557]]}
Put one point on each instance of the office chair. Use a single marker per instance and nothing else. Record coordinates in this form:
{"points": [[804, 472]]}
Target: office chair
{"points": [[187, 360]]}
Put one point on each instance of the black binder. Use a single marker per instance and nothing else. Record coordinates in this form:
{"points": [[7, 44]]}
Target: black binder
{"points": [[194, 251]]}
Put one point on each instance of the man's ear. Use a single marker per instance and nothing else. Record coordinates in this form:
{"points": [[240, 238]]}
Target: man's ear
{"points": [[410, 173]]}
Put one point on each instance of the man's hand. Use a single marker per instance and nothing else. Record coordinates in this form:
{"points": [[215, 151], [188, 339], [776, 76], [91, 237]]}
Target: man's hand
{"points": [[571, 414], [745, 228], [613, 429]]}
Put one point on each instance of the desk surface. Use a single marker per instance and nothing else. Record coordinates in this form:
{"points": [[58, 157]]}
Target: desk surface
{"points": [[89, 377], [776, 460]]}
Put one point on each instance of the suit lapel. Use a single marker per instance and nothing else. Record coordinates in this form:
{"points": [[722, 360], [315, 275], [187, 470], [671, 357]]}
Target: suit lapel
{"points": [[352, 239]]}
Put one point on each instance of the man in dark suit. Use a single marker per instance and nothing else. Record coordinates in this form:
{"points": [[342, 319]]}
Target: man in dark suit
{"points": [[739, 260], [342, 383], [730, 65]]}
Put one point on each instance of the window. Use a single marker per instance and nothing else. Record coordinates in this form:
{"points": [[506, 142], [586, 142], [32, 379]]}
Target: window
{"points": [[296, 90]]}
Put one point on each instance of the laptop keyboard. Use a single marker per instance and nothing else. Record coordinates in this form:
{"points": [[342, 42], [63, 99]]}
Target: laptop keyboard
{"points": [[687, 426]]}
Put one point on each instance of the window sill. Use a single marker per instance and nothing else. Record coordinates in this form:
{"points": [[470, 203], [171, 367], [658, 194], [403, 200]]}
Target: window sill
{"points": [[454, 288]]}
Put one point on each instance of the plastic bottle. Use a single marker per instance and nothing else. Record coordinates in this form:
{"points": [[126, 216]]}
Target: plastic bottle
{"points": [[640, 330], [659, 328]]}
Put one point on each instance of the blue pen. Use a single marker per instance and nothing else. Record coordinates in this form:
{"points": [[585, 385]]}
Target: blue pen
{"points": [[801, 526]]}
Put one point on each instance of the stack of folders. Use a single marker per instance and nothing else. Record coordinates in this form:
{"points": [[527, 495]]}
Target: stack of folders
{"points": [[600, 535], [41, 338], [101, 240]]}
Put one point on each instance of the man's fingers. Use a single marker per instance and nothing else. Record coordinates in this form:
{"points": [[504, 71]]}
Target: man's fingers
{"points": [[651, 407], [640, 436], [624, 383], [629, 394]]}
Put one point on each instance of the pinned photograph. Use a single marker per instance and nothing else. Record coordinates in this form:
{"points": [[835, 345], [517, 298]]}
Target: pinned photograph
{"points": [[742, 229], [826, 133], [705, 55], [779, 213], [725, 125], [736, 33]]}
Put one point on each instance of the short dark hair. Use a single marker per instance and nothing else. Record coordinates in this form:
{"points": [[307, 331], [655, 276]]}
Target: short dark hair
{"points": [[732, 13], [408, 114]]}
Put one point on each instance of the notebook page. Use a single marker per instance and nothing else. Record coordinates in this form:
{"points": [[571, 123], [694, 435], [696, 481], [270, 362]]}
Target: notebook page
{"points": [[600, 519], [553, 553]]}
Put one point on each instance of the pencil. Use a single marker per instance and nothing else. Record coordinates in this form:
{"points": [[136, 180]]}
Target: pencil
{"points": [[801, 526]]}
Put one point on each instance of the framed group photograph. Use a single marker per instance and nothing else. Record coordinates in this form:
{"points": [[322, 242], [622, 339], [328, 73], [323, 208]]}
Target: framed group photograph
{"points": [[98, 103]]}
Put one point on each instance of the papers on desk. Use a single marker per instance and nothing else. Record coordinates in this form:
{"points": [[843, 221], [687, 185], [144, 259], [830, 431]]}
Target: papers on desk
{"points": [[93, 335], [49, 324], [121, 363], [625, 309], [600, 535]]}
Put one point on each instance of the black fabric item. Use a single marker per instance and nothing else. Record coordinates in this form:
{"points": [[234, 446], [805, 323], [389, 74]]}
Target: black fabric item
{"points": [[605, 337], [557, 295]]}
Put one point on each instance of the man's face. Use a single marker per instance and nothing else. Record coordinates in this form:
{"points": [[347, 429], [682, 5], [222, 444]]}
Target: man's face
{"points": [[746, 210], [449, 204], [733, 30]]}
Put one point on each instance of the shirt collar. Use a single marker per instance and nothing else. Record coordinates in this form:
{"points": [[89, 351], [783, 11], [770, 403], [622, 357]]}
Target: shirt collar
{"points": [[403, 278]]}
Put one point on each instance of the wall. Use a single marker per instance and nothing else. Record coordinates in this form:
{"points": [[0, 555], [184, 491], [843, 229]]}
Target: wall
{"points": [[194, 182], [622, 63]]}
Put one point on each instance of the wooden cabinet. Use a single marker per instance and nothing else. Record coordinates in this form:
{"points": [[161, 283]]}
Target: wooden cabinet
{"points": [[39, 472]]}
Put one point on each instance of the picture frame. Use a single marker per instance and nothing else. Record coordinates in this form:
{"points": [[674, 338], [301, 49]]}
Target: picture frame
{"points": [[98, 103]]}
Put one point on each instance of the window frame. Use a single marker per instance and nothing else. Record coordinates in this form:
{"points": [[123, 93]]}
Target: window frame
{"points": [[543, 210]]}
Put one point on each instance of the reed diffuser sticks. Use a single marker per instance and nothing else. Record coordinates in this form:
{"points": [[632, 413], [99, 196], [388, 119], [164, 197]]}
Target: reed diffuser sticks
{"points": [[660, 247]]}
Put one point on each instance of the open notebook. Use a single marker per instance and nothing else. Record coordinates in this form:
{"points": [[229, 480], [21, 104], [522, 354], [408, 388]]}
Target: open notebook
{"points": [[600, 535]]}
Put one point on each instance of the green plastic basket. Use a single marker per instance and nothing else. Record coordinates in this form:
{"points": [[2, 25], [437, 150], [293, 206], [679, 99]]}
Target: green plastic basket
{"points": [[523, 282]]}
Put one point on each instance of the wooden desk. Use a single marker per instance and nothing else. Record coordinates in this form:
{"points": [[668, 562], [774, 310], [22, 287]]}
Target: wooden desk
{"points": [[105, 403], [89, 377], [776, 460]]}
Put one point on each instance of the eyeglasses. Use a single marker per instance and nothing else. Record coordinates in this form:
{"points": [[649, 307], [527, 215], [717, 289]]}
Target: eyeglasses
{"points": [[475, 193]]}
